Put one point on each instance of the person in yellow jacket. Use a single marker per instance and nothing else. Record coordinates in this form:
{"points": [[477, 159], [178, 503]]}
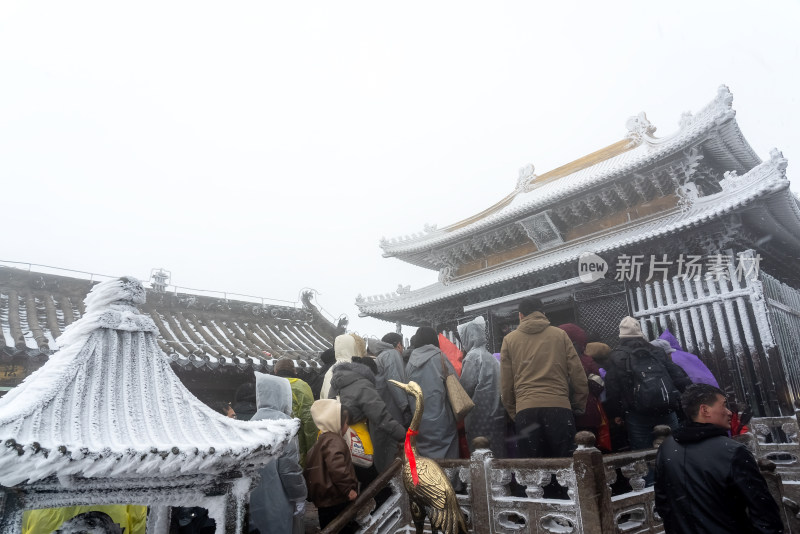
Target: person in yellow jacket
{"points": [[132, 518], [302, 399]]}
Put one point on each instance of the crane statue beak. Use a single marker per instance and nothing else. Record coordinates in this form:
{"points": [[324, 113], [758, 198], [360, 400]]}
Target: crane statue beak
{"points": [[400, 385]]}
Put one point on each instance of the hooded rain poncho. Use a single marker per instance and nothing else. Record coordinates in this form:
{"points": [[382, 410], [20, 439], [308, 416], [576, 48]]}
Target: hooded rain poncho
{"points": [[480, 377], [694, 367], [438, 436], [282, 489]]}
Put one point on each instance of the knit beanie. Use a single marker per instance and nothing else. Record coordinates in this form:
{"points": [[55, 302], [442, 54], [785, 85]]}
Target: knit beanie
{"points": [[629, 327], [285, 365]]}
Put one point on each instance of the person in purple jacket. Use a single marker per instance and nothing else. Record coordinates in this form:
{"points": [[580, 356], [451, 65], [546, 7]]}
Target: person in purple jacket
{"points": [[691, 364]]}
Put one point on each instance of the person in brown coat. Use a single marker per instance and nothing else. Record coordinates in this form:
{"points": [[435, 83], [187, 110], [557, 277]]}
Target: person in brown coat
{"points": [[542, 384], [330, 477]]}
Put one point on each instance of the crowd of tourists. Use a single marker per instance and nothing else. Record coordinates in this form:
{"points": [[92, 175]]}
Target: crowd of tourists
{"points": [[546, 384]]}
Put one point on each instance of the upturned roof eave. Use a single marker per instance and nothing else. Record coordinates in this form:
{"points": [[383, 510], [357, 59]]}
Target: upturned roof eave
{"points": [[766, 180], [710, 119], [101, 407]]}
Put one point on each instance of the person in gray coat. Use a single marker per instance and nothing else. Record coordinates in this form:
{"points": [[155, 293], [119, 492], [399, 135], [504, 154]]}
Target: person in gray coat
{"points": [[438, 436], [390, 367], [480, 378], [277, 504]]}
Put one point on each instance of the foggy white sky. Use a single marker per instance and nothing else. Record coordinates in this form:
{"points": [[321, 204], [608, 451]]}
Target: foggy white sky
{"points": [[264, 147]]}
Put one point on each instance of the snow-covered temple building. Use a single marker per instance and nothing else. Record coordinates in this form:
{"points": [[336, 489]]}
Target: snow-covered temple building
{"points": [[106, 421], [214, 343], [691, 232]]}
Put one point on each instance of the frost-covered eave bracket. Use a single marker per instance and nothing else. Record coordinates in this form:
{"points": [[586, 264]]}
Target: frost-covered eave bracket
{"points": [[693, 128], [738, 191]]}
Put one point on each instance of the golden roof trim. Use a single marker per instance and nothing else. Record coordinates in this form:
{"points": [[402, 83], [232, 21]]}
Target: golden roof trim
{"points": [[620, 147]]}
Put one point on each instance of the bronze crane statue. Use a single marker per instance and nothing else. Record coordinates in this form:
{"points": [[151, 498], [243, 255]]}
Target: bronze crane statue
{"points": [[429, 491]]}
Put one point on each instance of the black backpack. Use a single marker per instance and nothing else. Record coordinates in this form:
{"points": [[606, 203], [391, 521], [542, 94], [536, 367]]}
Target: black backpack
{"points": [[654, 393]]}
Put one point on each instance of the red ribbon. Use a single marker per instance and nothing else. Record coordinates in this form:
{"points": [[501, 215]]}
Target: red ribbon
{"points": [[412, 462]]}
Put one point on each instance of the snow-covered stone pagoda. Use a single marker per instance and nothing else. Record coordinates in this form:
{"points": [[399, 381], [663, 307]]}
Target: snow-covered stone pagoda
{"points": [[107, 421], [691, 232], [214, 343]]}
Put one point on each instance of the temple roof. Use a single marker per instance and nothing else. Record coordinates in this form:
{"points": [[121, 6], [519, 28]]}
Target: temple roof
{"points": [[714, 126], [108, 404], [767, 181], [195, 331]]}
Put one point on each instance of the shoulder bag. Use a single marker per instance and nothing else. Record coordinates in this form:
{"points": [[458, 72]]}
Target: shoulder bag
{"points": [[459, 401]]}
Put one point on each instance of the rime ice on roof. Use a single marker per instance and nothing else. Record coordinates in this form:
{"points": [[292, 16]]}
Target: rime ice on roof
{"points": [[715, 123], [700, 195], [108, 406], [737, 191]]}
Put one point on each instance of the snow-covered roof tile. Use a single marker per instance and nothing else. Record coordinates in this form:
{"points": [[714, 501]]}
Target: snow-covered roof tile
{"points": [[765, 179], [536, 197], [108, 404], [35, 308]]}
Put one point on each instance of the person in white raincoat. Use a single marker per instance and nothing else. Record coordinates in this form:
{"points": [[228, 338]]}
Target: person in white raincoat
{"points": [[278, 502], [480, 378]]}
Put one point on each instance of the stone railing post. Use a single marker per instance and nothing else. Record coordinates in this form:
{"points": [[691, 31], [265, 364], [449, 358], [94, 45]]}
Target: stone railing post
{"points": [[797, 414], [593, 494], [480, 491], [775, 485], [660, 433]]}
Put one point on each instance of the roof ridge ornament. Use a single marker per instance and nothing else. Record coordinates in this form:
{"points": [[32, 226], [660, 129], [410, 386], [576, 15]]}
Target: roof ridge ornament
{"points": [[525, 179], [723, 104], [777, 160], [639, 128]]}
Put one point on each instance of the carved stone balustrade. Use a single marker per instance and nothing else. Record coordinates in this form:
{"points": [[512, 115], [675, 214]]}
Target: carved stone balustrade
{"points": [[574, 495]]}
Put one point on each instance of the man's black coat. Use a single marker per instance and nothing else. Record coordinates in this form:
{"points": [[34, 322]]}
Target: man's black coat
{"points": [[709, 483]]}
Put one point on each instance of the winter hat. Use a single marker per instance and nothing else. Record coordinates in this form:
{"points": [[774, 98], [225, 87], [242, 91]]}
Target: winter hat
{"points": [[629, 327], [663, 344], [328, 356], [285, 366], [327, 415], [576, 335]]}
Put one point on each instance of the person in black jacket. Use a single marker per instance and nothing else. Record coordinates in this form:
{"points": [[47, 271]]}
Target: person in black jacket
{"points": [[621, 385], [707, 482]]}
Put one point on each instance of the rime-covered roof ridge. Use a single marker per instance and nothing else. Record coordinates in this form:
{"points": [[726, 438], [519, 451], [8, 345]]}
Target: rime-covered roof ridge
{"points": [[536, 195], [766, 179], [108, 404], [195, 331]]}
